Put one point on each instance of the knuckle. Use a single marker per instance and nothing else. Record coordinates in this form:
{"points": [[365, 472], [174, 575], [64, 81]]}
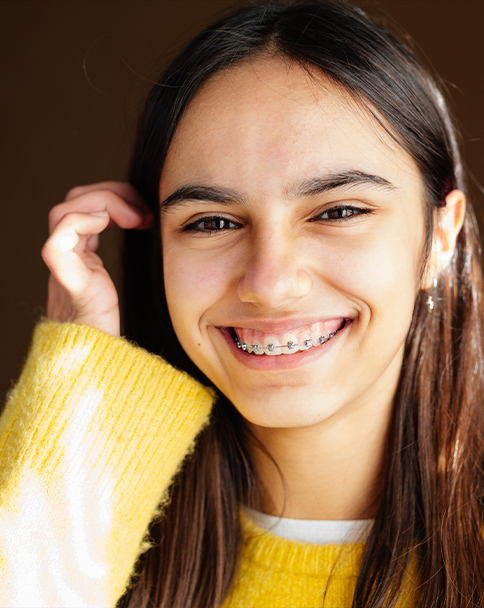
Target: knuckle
{"points": [[46, 251], [104, 193], [129, 188], [67, 220], [108, 194], [54, 213], [74, 192], [55, 216]]}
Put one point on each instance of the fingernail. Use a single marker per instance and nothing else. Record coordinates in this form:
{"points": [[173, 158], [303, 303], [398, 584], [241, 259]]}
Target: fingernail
{"points": [[99, 213]]}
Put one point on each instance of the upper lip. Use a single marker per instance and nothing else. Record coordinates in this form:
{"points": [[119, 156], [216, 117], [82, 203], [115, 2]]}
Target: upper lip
{"points": [[283, 325]]}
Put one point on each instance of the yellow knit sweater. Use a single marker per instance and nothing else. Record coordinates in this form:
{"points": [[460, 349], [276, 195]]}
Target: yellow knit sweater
{"points": [[89, 440]]}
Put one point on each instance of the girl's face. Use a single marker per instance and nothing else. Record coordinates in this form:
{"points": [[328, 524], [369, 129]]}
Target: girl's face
{"points": [[290, 215]]}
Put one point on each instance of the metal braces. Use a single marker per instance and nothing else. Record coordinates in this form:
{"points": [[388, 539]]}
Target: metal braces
{"points": [[290, 345]]}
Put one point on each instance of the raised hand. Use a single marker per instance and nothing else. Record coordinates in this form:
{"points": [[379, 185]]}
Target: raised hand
{"points": [[80, 289]]}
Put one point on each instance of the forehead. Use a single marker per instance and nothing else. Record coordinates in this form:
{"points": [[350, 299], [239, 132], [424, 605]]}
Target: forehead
{"points": [[264, 123]]}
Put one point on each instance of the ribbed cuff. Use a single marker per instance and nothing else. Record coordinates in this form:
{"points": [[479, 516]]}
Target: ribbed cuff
{"points": [[110, 418]]}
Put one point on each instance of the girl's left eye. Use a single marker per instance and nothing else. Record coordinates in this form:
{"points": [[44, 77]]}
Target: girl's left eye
{"points": [[341, 213], [209, 225]]}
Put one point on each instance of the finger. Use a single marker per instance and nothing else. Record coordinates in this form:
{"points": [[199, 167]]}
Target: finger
{"points": [[123, 189], [76, 228], [92, 242], [59, 307], [61, 253], [89, 243], [98, 201], [68, 270]]}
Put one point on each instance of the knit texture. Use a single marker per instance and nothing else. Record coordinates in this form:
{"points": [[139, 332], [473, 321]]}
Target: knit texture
{"points": [[90, 440], [281, 573]]}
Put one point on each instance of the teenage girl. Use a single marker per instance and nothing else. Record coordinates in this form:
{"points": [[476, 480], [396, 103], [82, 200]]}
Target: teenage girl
{"points": [[299, 242]]}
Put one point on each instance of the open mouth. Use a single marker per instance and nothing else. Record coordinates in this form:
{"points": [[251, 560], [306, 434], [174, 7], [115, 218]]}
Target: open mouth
{"points": [[289, 343]]}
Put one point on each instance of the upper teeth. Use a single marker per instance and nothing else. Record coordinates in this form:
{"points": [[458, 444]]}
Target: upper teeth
{"points": [[279, 348]]}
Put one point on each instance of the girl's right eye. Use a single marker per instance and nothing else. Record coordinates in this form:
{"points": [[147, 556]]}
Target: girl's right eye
{"points": [[211, 225]]}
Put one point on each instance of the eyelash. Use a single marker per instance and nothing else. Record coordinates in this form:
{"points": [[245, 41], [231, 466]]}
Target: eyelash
{"points": [[343, 208], [194, 227]]}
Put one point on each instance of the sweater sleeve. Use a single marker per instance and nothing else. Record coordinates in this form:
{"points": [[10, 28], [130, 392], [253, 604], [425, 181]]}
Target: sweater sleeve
{"points": [[90, 439]]}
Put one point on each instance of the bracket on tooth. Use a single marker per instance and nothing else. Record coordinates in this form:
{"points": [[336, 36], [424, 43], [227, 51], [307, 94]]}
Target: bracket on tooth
{"points": [[290, 345]]}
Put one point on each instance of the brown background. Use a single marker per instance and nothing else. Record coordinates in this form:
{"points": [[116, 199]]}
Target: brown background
{"points": [[73, 73]]}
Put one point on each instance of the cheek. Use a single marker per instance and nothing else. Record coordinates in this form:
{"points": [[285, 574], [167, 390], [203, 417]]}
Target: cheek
{"points": [[195, 281], [380, 271]]}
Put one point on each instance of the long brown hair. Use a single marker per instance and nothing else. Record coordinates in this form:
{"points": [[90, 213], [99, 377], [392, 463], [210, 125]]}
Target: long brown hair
{"points": [[432, 493]]}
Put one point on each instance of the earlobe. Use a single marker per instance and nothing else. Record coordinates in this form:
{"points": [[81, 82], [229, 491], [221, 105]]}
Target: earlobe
{"points": [[449, 221]]}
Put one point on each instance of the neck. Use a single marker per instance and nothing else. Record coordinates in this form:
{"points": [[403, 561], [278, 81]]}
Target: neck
{"points": [[328, 471]]}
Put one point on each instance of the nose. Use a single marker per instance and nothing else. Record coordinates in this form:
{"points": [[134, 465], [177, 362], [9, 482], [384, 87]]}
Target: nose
{"points": [[274, 274]]}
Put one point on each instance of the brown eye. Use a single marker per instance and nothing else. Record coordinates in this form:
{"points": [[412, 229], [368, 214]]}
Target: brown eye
{"points": [[341, 213], [215, 224], [210, 225]]}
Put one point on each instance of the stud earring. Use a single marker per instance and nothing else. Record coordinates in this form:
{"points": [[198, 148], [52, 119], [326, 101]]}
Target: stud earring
{"points": [[430, 300]]}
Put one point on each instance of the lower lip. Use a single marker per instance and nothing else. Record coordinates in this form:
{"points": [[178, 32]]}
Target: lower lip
{"points": [[280, 362]]}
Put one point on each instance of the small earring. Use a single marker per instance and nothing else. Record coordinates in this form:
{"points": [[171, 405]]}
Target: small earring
{"points": [[430, 300]]}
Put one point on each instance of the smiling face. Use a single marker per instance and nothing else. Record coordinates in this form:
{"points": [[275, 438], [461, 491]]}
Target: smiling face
{"points": [[290, 216]]}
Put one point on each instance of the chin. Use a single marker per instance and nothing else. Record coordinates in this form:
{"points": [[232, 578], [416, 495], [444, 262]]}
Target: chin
{"points": [[276, 408]]}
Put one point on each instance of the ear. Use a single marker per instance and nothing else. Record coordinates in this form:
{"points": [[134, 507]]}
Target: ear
{"points": [[449, 221]]}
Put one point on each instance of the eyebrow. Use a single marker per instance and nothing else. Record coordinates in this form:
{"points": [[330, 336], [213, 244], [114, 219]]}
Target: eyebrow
{"points": [[306, 188]]}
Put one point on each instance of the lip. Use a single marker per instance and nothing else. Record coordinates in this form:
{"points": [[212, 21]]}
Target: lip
{"points": [[281, 325], [281, 362], [315, 330]]}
